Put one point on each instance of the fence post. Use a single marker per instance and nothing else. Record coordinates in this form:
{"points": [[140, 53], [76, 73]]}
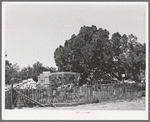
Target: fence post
{"points": [[137, 90], [107, 92], [50, 96], [11, 93], [123, 77], [19, 100]]}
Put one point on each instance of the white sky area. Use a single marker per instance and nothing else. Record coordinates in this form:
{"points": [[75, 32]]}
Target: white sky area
{"points": [[34, 31]]}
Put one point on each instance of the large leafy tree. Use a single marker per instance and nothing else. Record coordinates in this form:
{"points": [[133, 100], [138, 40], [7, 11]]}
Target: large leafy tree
{"points": [[93, 54], [85, 52]]}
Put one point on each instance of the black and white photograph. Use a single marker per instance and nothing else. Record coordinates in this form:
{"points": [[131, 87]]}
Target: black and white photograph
{"points": [[75, 60]]}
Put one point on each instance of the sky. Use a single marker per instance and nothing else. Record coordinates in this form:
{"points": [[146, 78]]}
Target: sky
{"points": [[34, 31]]}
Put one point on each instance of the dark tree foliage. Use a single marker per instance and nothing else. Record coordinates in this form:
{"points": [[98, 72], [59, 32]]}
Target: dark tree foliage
{"points": [[12, 71], [35, 71], [96, 56]]}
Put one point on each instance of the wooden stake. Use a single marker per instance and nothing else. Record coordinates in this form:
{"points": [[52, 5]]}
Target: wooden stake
{"points": [[11, 93]]}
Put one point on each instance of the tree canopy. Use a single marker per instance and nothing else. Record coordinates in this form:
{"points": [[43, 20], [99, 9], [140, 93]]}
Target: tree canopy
{"points": [[93, 54], [12, 71]]}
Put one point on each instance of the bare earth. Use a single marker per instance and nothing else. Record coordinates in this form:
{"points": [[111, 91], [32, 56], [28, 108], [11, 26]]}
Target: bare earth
{"points": [[135, 104]]}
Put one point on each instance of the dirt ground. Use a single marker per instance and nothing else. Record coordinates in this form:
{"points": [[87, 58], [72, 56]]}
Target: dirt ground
{"points": [[135, 104]]}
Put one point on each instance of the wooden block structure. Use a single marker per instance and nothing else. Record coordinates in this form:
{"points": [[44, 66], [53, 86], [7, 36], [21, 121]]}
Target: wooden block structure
{"points": [[44, 78], [64, 78], [57, 78]]}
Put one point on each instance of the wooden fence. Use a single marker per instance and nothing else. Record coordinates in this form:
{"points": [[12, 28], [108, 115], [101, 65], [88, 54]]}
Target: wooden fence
{"points": [[7, 99], [46, 96]]}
